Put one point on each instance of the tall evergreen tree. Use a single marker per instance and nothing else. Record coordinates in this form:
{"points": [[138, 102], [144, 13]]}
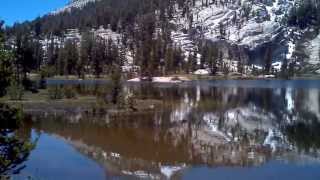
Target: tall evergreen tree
{"points": [[86, 45], [268, 60], [61, 61], [213, 57], [97, 57], [25, 60], [71, 56], [169, 60], [38, 54], [5, 63]]}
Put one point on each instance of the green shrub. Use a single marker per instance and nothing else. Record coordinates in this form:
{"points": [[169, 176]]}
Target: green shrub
{"points": [[15, 91], [13, 149], [55, 93], [131, 103], [47, 71], [116, 86], [10, 118], [69, 92]]}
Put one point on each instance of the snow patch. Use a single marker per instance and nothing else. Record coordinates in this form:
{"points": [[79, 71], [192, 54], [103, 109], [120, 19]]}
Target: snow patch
{"points": [[73, 4], [202, 72], [169, 79], [314, 51], [289, 99], [168, 171], [274, 139], [291, 49]]}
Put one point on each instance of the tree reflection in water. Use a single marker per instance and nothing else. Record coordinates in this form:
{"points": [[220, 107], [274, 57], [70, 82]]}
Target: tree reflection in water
{"points": [[195, 126], [305, 136], [14, 150]]}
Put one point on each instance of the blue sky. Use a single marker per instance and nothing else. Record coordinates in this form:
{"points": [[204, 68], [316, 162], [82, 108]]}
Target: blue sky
{"points": [[20, 10]]}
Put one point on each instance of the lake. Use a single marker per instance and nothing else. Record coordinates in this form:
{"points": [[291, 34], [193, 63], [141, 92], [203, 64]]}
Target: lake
{"points": [[266, 129]]}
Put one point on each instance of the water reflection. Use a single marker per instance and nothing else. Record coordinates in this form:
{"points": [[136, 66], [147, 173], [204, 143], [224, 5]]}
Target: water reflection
{"points": [[15, 146], [197, 125]]}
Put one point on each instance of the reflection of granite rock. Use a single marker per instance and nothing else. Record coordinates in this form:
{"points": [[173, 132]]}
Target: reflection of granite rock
{"points": [[198, 126]]}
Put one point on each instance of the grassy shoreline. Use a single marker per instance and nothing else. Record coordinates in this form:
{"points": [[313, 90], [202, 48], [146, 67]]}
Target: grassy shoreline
{"points": [[87, 103], [191, 77], [186, 77]]}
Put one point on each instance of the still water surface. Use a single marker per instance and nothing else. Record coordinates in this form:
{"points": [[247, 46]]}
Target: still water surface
{"points": [[202, 130]]}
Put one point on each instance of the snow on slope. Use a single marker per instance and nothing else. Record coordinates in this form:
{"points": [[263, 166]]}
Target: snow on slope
{"points": [[314, 50], [262, 25], [246, 23], [73, 4]]}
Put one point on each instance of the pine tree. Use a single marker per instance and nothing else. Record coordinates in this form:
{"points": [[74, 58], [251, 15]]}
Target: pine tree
{"points": [[122, 55], [213, 56], [204, 56], [52, 54], [145, 60], [240, 66], [268, 60], [25, 60], [169, 60], [222, 30], [85, 50], [110, 59], [97, 57], [157, 54], [116, 87], [188, 67], [56, 60], [153, 66], [304, 13], [38, 54], [61, 61], [72, 55], [193, 59], [221, 61], [178, 59], [5, 64], [284, 68], [291, 69]]}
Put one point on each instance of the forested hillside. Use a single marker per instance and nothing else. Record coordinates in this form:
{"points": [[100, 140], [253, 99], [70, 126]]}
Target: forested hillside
{"points": [[155, 38]]}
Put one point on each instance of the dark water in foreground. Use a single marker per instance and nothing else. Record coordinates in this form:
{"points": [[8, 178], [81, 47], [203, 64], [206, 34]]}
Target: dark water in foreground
{"points": [[203, 130]]}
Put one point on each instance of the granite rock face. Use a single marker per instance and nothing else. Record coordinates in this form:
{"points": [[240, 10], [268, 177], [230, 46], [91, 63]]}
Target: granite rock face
{"points": [[249, 29]]}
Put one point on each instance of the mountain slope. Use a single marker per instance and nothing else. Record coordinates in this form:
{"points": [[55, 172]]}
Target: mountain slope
{"points": [[252, 26], [73, 4], [248, 24], [244, 36]]}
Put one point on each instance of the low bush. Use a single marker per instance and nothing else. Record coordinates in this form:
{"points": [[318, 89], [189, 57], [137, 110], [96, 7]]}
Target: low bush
{"points": [[15, 91], [69, 92], [55, 92]]}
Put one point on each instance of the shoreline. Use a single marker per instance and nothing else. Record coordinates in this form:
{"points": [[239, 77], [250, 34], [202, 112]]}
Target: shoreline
{"points": [[190, 78], [180, 78]]}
